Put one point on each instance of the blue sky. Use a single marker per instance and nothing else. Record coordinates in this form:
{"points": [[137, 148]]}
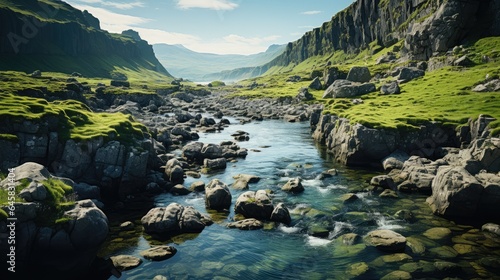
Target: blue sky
{"points": [[214, 26]]}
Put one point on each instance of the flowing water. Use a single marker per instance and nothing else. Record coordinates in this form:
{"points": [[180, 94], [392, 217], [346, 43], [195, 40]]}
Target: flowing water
{"points": [[279, 151]]}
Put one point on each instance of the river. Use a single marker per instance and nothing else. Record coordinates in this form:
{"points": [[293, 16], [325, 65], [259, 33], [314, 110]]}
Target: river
{"points": [[278, 151]]}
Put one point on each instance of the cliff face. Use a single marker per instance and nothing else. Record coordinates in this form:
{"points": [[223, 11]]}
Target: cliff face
{"points": [[388, 21], [39, 29]]}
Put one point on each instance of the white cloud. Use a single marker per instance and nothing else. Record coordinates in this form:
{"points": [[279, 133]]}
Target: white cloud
{"points": [[156, 36], [207, 4], [118, 5], [113, 22], [311, 13]]}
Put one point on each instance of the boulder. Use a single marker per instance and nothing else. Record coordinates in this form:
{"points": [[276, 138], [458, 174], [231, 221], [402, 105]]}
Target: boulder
{"points": [[125, 262], [491, 227], [455, 192], [174, 219], [383, 181], [242, 181], [215, 164], [256, 205], [174, 171], [304, 94], [293, 185], [395, 160], [88, 224], [217, 195], [359, 74], [463, 61], [198, 186], [406, 74], [316, 84], [331, 74], [386, 240], [179, 190], [246, 224], [347, 89], [390, 88], [192, 152], [159, 253], [281, 214]]}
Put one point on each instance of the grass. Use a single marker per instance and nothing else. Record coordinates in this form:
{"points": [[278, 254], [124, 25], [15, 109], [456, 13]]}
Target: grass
{"points": [[443, 95], [50, 212], [74, 119]]}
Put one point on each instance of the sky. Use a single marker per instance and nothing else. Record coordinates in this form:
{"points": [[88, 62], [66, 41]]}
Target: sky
{"points": [[214, 26]]}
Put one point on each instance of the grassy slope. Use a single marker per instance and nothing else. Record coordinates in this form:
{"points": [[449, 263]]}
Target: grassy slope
{"points": [[90, 65], [443, 95]]}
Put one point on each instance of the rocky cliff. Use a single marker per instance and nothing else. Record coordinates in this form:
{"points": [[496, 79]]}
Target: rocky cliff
{"points": [[58, 37], [427, 26]]}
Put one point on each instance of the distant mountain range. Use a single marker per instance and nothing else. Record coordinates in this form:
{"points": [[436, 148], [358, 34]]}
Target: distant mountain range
{"points": [[205, 67]]}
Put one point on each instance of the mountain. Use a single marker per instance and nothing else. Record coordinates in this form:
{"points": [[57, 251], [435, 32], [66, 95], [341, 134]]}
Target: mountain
{"points": [[428, 28], [51, 35], [205, 67]]}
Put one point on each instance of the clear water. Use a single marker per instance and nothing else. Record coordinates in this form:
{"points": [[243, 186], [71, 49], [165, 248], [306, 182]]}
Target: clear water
{"points": [[286, 150]]}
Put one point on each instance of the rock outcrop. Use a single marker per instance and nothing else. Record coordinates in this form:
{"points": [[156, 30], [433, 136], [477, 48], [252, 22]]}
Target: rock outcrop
{"points": [[174, 219], [259, 205], [71, 239]]}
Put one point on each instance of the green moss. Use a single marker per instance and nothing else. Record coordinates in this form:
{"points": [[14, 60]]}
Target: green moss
{"points": [[4, 195], [9, 137], [76, 120], [57, 192]]}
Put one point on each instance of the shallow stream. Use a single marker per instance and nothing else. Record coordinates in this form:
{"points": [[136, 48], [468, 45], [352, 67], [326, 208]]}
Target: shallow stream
{"points": [[278, 151]]}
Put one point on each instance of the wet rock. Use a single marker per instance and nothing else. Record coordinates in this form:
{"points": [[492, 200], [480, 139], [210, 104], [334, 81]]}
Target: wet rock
{"points": [[448, 268], [174, 219], [383, 181], [179, 190], [256, 205], [125, 262], [444, 252], [437, 233], [217, 195], [491, 227], [406, 215], [391, 258], [357, 269], [241, 136], [389, 194], [349, 197], [386, 240], [246, 224], [174, 171], [281, 214], [293, 185], [397, 275], [128, 225], [215, 164], [159, 253], [348, 238], [416, 246], [192, 152], [89, 225], [198, 186]]}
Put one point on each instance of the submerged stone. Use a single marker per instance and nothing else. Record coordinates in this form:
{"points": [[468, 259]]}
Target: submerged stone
{"points": [[437, 233], [386, 240], [357, 269], [397, 275]]}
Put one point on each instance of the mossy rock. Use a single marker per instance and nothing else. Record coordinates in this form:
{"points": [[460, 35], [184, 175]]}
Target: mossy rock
{"points": [[357, 269], [437, 233]]}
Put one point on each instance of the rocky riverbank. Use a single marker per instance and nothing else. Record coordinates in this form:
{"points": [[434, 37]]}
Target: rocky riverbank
{"points": [[457, 169]]}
